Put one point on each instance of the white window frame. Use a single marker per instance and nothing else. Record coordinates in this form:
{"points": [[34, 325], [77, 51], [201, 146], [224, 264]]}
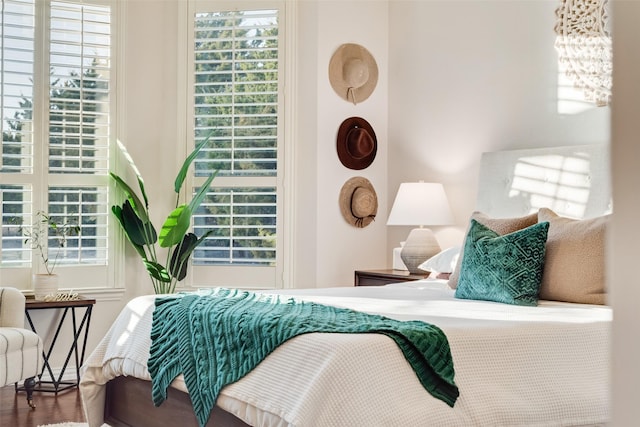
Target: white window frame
{"points": [[104, 282], [248, 277]]}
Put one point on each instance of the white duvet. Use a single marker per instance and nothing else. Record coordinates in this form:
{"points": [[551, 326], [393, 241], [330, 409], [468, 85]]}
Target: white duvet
{"points": [[515, 366]]}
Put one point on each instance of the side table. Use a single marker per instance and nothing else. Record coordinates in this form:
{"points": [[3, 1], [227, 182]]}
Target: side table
{"points": [[56, 385], [384, 277]]}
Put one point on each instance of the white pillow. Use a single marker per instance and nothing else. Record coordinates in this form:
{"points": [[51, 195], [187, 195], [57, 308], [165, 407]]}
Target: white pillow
{"points": [[443, 262]]}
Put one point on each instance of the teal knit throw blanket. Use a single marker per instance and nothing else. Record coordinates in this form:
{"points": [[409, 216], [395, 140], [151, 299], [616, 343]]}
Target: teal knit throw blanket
{"points": [[216, 337]]}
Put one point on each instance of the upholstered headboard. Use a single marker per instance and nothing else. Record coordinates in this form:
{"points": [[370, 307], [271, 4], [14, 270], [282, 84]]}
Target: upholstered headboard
{"points": [[573, 181]]}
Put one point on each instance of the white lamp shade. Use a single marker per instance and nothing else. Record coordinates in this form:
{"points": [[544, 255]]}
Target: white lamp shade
{"points": [[420, 203]]}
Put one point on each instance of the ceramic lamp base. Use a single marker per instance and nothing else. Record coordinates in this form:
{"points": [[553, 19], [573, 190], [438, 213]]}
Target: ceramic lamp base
{"points": [[419, 247]]}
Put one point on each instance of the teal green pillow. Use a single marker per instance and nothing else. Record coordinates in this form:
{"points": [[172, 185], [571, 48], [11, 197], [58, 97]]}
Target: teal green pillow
{"points": [[505, 268]]}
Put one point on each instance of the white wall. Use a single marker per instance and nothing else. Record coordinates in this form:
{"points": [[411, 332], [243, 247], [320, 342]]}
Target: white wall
{"points": [[340, 247], [469, 77]]}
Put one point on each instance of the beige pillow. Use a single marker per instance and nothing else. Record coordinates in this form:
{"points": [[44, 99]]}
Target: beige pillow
{"points": [[501, 226], [574, 268]]}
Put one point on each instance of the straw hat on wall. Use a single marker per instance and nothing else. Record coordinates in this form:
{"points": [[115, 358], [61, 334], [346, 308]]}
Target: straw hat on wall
{"points": [[358, 202], [353, 72]]}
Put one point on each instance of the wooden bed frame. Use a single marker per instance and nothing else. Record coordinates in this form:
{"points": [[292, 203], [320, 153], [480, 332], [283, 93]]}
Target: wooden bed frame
{"points": [[128, 404]]}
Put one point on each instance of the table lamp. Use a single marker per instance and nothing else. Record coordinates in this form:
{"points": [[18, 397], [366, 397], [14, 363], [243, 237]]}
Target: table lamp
{"points": [[420, 203]]}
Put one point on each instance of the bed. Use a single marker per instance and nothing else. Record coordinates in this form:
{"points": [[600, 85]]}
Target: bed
{"points": [[558, 348], [515, 365]]}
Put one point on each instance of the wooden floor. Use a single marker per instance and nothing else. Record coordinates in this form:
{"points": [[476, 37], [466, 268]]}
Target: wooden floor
{"points": [[50, 409]]}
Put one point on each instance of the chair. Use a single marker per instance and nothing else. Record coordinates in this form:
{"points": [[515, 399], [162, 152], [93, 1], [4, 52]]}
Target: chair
{"points": [[20, 348]]}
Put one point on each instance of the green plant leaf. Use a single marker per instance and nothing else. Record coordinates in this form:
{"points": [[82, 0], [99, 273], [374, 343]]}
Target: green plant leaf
{"points": [[157, 271], [135, 170], [180, 258], [136, 203], [139, 233], [178, 265], [144, 193], [117, 212], [182, 174], [202, 192], [175, 226]]}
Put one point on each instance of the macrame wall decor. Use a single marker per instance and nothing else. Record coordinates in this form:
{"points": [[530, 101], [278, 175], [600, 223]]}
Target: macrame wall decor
{"points": [[584, 47]]}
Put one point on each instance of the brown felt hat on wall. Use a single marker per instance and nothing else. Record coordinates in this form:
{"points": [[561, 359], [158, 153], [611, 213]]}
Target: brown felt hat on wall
{"points": [[356, 143], [358, 202], [353, 72]]}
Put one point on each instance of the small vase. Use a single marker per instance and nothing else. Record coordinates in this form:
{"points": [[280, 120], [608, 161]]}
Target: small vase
{"points": [[44, 284]]}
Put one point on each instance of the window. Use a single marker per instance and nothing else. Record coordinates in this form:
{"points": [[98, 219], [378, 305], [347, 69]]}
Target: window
{"points": [[235, 82], [56, 130]]}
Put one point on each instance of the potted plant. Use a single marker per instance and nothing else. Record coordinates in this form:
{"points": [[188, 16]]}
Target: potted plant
{"points": [[44, 230], [133, 216]]}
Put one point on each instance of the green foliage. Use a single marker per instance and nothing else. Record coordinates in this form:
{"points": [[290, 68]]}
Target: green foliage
{"points": [[44, 230], [135, 221]]}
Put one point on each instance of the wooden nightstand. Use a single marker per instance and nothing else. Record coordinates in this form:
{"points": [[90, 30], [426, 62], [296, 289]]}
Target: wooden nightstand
{"points": [[384, 277]]}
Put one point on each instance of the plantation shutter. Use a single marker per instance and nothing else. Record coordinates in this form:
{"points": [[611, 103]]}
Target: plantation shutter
{"points": [[79, 126], [17, 76], [56, 133], [18, 43], [237, 106], [80, 52], [17, 164]]}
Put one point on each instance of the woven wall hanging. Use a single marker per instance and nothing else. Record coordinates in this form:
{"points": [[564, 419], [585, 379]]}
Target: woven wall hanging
{"points": [[584, 47]]}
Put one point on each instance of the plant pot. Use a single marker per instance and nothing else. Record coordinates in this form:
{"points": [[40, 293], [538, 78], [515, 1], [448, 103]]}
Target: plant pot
{"points": [[44, 284]]}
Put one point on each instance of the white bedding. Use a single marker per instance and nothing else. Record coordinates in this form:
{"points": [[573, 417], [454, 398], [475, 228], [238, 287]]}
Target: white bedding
{"points": [[515, 366]]}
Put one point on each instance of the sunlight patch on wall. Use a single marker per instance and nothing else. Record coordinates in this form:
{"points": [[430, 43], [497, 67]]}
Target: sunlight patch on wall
{"points": [[573, 181], [560, 183]]}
